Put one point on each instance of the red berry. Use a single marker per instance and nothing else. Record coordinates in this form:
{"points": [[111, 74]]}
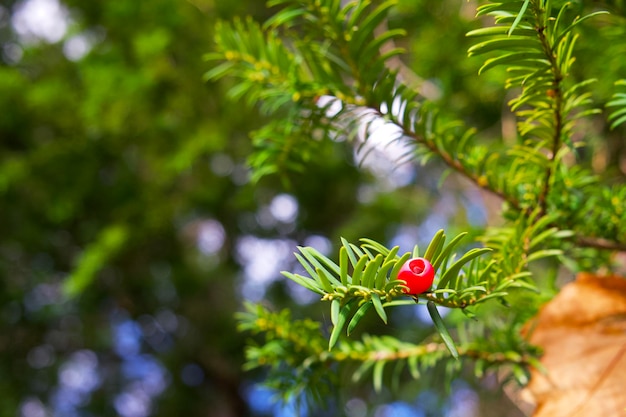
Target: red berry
{"points": [[418, 274]]}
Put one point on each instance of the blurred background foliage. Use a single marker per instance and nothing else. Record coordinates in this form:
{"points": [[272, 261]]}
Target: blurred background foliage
{"points": [[130, 233]]}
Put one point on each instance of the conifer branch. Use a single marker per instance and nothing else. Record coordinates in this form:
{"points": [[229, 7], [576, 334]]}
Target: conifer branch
{"points": [[459, 167], [556, 93], [407, 351], [600, 243], [348, 56], [304, 339]]}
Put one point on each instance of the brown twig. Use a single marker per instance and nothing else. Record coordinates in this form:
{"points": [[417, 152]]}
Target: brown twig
{"points": [[600, 243], [557, 97]]}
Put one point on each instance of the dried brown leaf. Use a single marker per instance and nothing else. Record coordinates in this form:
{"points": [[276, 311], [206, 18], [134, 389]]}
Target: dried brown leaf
{"points": [[582, 332]]}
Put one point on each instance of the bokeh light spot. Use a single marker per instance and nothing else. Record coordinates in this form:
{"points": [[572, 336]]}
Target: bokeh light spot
{"points": [[284, 208], [211, 236], [32, 407], [356, 407], [44, 20], [76, 47]]}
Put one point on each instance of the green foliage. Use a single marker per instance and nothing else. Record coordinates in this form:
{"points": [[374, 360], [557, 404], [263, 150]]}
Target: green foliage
{"points": [[348, 55], [618, 115], [106, 165], [94, 259], [287, 79], [126, 195], [374, 280], [294, 351], [288, 346], [537, 50]]}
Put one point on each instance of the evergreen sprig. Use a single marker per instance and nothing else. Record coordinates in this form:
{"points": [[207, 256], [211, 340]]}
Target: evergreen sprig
{"points": [[618, 101], [367, 275], [537, 48], [536, 44], [293, 352], [322, 71], [373, 279], [299, 345]]}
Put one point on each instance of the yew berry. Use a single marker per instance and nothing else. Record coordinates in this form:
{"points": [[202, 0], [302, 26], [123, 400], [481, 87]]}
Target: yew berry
{"points": [[418, 274]]}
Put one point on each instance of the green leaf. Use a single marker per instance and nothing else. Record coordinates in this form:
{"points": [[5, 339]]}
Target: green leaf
{"points": [[285, 17], [393, 284], [441, 328], [557, 21], [368, 252], [475, 288], [520, 374], [218, 71], [520, 59], [358, 270], [305, 264], [618, 122], [468, 313], [342, 319], [484, 274], [616, 102], [549, 233], [413, 364], [343, 266], [349, 251], [359, 7], [448, 250], [375, 245], [307, 283], [323, 279], [377, 375], [369, 275], [381, 275], [393, 275], [500, 30], [435, 245], [504, 44], [392, 254], [357, 251], [498, 294], [110, 241], [322, 262], [396, 303], [379, 307], [578, 22], [451, 274], [335, 305], [525, 285], [519, 17], [362, 370], [499, 8], [360, 313], [617, 113], [543, 254]]}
